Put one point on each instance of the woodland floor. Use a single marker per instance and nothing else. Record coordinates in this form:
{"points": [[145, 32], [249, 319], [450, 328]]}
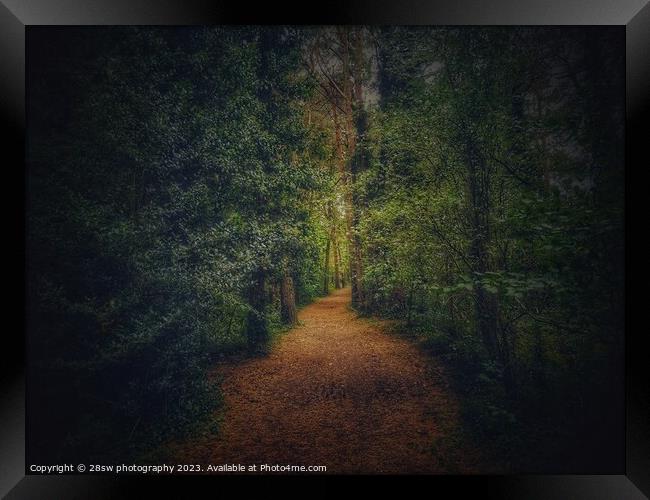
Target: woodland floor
{"points": [[339, 391]]}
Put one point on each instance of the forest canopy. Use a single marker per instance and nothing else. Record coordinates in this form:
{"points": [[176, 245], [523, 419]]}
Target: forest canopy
{"points": [[189, 188]]}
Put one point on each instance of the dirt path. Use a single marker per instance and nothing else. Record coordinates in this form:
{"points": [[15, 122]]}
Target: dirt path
{"points": [[338, 391]]}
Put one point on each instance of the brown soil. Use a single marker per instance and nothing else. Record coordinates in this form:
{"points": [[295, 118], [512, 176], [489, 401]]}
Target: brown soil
{"points": [[338, 391]]}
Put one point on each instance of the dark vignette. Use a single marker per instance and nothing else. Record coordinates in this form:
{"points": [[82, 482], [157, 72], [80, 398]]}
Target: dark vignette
{"points": [[637, 403]]}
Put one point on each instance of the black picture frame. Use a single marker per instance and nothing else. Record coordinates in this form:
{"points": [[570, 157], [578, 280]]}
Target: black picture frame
{"points": [[17, 15]]}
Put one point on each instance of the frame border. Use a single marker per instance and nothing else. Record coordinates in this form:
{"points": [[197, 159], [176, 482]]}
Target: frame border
{"points": [[16, 15]]}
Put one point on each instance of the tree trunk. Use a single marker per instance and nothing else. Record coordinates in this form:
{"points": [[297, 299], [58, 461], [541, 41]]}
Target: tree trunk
{"points": [[256, 326], [351, 59], [358, 164], [337, 263], [342, 274], [287, 301], [409, 305], [326, 273]]}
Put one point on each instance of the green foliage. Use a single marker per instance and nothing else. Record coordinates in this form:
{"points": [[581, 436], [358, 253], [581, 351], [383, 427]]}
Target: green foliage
{"points": [[475, 146], [174, 173], [177, 177]]}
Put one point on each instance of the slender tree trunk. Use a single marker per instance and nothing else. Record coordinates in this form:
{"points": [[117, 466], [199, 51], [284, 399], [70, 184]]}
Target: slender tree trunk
{"points": [[340, 164], [256, 325], [338, 142], [337, 262], [342, 274], [348, 177], [409, 305], [287, 300], [357, 165], [326, 273]]}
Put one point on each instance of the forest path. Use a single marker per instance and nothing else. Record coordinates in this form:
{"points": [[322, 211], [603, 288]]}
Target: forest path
{"points": [[337, 391]]}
